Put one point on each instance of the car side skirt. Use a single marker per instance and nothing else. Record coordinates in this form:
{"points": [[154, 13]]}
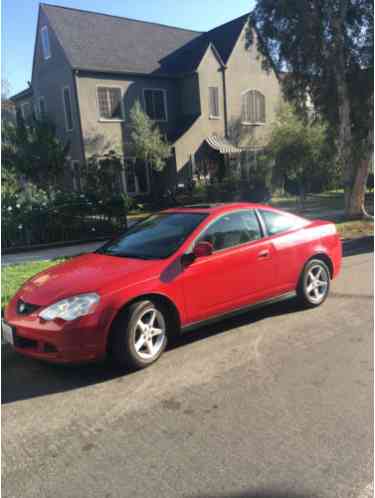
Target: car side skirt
{"points": [[239, 311]]}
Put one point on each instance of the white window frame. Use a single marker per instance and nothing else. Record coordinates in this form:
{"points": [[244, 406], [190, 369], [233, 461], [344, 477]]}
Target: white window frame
{"points": [[46, 56], [66, 87], [110, 120], [41, 98], [256, 123], [164, 101], [212, 116], [137, 189]]}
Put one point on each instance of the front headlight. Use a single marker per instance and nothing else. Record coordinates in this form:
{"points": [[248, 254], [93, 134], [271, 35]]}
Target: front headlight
{"points": [[71, 307]]}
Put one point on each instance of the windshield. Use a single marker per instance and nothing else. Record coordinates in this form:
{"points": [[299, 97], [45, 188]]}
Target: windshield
{"points": [[157, 237]]}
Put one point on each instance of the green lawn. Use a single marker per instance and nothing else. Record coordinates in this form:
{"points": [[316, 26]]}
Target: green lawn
{"points": [[354, 229], [13, 276]]}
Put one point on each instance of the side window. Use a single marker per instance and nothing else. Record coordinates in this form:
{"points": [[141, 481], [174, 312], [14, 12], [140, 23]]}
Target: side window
{"points": [[277, 222], [213, 95], [45, 42], [68, 109], [232, 229]]}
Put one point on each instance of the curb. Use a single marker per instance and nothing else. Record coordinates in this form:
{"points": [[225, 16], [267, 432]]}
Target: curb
{"points": [[352, 246]]}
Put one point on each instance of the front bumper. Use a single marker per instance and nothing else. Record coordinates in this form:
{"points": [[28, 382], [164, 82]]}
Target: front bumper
{"points": [[58, 341]]}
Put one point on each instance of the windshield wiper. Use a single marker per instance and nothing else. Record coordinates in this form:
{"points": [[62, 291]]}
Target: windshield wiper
{"points": [[126, 255]]}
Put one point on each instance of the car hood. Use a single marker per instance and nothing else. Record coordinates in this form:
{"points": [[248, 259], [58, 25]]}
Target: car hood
{"points": [[87, 273]]}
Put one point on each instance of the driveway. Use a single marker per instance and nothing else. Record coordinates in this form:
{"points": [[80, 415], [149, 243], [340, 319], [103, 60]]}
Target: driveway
{"points": [[276, 403]]}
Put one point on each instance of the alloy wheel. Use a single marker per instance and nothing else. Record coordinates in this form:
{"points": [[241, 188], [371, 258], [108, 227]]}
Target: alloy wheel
{"points": [[150, 334]]}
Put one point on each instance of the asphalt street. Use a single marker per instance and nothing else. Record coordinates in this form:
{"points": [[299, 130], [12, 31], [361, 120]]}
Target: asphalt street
{"points": [[276, 403]]}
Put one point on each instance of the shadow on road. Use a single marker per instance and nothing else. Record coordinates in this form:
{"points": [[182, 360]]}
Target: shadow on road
{"points": [[24, 378], [358, 246], [259, 494]]}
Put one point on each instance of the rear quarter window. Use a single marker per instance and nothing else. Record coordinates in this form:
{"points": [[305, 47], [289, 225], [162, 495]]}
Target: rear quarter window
{"points": [[279, 222]]}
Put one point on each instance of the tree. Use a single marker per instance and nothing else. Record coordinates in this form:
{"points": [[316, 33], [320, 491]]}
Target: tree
{"points": [[34, 151], [327, 49], [147, 140], [7, 106], [301, 151]]}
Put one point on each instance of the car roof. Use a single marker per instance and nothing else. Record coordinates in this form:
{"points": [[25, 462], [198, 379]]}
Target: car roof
{"points": [[215, 208]]}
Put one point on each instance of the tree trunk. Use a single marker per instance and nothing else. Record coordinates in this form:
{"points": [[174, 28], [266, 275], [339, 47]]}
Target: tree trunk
{"points": [[355, 172], [355, 192]]}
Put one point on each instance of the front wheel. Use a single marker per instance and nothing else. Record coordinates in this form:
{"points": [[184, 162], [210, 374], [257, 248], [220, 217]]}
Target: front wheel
{"points": [[140, 335], [313, 287]]}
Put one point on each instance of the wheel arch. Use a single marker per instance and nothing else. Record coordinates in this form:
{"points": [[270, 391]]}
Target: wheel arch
{"points": [[156, 298], [323, 257]]}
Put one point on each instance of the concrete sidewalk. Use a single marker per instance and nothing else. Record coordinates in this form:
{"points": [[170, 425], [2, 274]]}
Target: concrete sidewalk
{"points": [[46, 254]]}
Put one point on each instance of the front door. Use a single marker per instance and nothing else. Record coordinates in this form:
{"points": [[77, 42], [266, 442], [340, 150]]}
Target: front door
{"points": [[241, 270]]}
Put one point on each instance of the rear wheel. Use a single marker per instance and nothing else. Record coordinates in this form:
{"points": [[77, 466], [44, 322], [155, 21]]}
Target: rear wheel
{"points": [[140, 335], [313, 287]]}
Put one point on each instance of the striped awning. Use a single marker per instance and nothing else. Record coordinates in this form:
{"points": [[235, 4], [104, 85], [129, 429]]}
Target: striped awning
{"points": [[222, 145]]}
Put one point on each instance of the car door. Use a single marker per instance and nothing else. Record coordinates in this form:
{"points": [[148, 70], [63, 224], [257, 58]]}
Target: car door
{"points": [[283, 230], [241, 269]]}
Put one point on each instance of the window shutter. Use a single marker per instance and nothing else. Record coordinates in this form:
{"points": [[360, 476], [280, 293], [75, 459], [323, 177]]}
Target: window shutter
{"points": [[253, 107]]}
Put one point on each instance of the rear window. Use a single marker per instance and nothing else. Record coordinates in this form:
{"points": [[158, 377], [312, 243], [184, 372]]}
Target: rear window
{"points": [[278, 222]]}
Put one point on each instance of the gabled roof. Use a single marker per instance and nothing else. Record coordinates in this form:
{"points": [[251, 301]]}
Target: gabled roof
{"points": [[100, 42], [28, 92], [107, 43]]}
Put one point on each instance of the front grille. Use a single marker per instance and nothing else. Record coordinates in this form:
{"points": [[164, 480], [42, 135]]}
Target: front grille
{"points": [[24, 308], [25, 343]]}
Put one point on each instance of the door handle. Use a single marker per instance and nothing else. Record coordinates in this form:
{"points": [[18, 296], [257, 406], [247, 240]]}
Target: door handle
{"points": [[264, 254]]}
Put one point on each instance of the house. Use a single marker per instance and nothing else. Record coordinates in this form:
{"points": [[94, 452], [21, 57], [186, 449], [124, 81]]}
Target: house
{"points": [[207, 91]]}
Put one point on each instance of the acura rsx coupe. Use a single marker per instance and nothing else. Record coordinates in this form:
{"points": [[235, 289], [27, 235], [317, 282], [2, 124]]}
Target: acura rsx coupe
{"points": [[170, 273]]}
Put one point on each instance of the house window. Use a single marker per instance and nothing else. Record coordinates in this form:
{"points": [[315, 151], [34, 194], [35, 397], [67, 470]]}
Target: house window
{"points": [[76, 175], [42, 108], [109, 103], [68, 109], [213, 95], [136, 178], [26, 110], [253, 107], [156, 104], [45, 42]]}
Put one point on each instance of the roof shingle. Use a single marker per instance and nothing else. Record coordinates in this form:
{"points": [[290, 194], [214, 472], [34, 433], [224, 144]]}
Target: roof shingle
{"points": [[100, 42]]}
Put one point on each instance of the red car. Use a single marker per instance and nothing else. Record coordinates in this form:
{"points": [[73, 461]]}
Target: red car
{"points": [[167, 274]]}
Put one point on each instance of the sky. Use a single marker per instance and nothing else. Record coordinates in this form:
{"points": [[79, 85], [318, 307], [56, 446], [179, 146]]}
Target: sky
{"points": [[19, 18]]}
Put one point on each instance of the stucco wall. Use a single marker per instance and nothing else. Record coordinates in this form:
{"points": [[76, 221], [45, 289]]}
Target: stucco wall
{"points": [[49, 78], [101, 136], [208, 74], [244, 72]]}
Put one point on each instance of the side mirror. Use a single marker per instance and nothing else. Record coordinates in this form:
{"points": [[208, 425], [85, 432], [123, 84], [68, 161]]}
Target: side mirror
{"points": [[203, 249]]}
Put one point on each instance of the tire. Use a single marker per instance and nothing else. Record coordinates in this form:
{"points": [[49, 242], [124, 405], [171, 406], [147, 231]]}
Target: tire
{"points": [[137, 346], [310, 294]]}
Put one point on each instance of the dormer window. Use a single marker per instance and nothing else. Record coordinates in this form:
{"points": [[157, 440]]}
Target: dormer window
{"points": [[253, 108], [45, 42]]}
